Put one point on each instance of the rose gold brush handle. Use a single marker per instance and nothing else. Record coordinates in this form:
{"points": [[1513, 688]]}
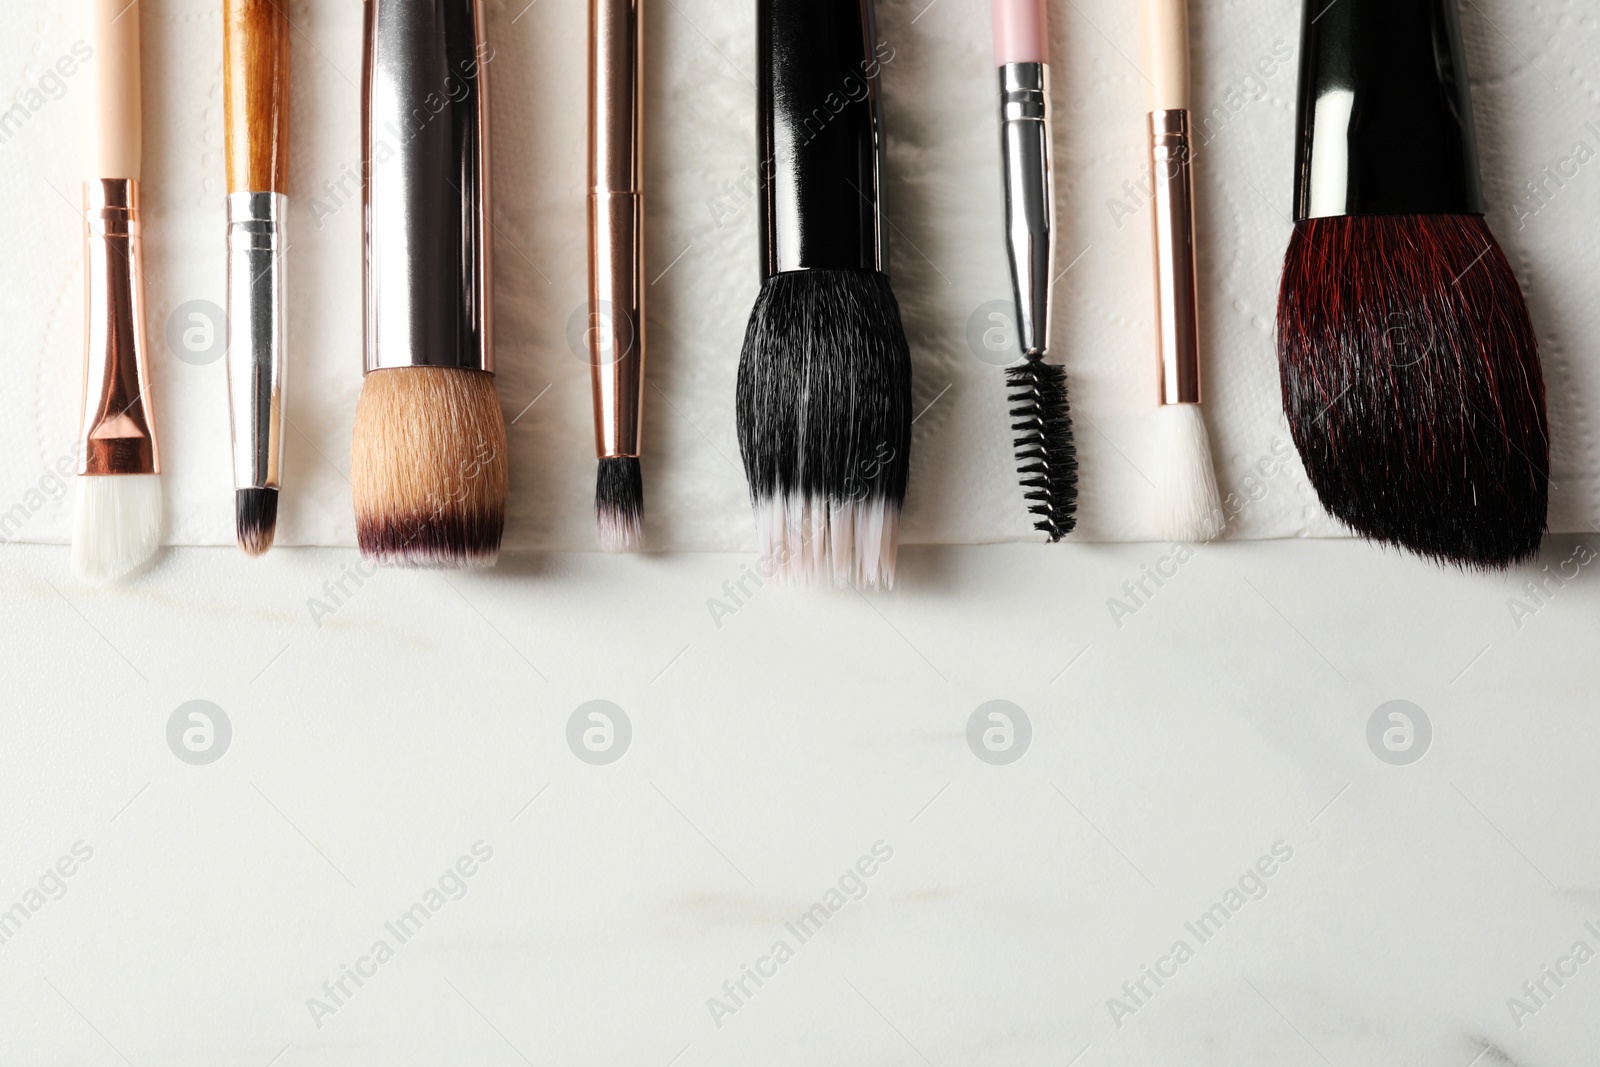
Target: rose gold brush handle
{"points": [[1166, 53], [116, 432], [616, 224]]}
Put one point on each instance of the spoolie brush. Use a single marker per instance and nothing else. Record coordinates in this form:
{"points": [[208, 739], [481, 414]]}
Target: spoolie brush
{"points": [[824, 394], [118, 522], [616, 267], [428, 464], [1410, 370], [1046, 459], [1188, 506]]}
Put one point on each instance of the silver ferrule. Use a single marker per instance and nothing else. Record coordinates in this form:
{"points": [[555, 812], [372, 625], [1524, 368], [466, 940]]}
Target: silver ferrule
{"points": [[1030, 197], [257, 335], [425, 152]]}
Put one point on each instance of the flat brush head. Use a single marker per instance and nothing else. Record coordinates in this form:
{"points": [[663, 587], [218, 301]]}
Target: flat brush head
{"points": [[255, 515], [117, 525], [1047, 460], [1189, 508], [824, 413], [619, 504], [428, 468], [1412, 385]]}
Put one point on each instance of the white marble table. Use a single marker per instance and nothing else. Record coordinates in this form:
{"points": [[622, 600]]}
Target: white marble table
{"points": [[397, 773]]}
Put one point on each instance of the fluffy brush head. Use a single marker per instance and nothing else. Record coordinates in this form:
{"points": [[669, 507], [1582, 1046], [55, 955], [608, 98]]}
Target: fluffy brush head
{"points": [[1412, 385], [619, 504], [428, 467], [255, 516], [117, 525], [824, 413], [1189, 506], [1046, 457]]}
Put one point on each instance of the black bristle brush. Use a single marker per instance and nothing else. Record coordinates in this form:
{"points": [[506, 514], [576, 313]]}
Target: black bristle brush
{"points": [[824, 394], [1410, 369]]}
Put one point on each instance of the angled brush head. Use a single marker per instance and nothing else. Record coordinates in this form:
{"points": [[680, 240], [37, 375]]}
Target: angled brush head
{"points": [[255, 515], [824, 413], [619, 504], [117, 525], [1412, 385], [1189, 508], [428, 467], [1047, 460]]}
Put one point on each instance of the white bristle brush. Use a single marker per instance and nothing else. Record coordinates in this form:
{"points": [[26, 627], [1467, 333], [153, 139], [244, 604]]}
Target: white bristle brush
{"points": [[118, 522]]}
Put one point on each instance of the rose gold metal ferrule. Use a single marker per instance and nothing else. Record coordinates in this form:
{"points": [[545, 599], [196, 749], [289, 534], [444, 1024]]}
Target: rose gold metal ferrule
{"points": [[116, 434], [616, 334], [1177, 294]]}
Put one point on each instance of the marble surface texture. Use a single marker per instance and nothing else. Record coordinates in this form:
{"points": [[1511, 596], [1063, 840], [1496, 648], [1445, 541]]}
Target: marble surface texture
{"points": [[399, 765]]}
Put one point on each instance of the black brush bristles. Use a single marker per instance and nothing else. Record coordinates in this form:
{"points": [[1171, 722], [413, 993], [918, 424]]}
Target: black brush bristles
{"points": [[255, 513], [619, 504], [824, 413], [1412, 385], [1047, 460]]}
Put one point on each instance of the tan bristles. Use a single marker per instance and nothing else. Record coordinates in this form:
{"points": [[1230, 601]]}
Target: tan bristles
{"points": [[428, 468]]}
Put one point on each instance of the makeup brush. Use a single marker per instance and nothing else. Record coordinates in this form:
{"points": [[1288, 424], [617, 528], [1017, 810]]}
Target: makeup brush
{"points": [[255, 80], [616, 266], [1046, 458], [1188, 505], [824, 394], [428, 464], [118, 522], [1409, 365]]}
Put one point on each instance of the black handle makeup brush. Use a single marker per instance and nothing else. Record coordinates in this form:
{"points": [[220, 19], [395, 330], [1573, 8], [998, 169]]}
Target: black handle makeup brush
{"points": [[824, 396], [1410, 369]]}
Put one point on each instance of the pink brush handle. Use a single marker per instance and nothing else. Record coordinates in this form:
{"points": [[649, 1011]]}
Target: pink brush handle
{"points": [[1020, 33]]}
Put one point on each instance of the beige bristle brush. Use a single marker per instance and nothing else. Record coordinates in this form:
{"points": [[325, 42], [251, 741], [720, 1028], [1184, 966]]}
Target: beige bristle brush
{"points": [[118, 522], [1188, 504], [428, 464]]}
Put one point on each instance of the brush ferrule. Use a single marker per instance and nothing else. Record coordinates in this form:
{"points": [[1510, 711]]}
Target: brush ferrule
{"points": [[1385, 113], [1030, 197], [821, 136], [425, 152], [616, 337], [257, 335], [1172, 230], [116, 434]]}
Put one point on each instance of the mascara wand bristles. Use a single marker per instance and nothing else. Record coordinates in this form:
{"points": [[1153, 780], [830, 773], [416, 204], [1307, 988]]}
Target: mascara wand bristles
{"points": [[1047, 459], [619, 504]]}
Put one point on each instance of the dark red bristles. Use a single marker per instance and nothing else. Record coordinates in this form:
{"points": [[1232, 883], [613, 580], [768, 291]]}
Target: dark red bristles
{"points": [[1412, 386]]}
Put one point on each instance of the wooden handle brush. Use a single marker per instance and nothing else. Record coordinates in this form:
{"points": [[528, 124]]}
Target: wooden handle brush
{"points": [[255, 73], [118, 521]]}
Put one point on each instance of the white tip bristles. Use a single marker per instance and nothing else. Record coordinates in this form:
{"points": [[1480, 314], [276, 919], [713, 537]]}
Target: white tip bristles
{"points": [[619, 530], [803, 539], [117, 526], [1189, 508]]}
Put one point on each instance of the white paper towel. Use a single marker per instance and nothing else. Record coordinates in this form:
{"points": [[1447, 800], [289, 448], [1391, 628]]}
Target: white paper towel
{"points": [[1534, 102]]}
